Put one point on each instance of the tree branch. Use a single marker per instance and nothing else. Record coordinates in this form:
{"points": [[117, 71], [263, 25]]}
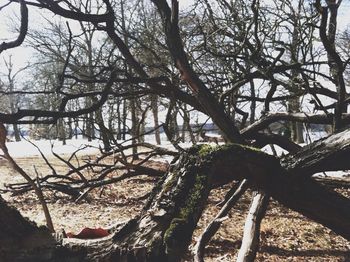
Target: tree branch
{"points": [[23, 29]]}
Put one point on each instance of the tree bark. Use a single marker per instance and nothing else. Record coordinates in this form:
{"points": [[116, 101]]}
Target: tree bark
{"points": [[297, 134], [154, 106], [328, 154], [105, 134], [163, 230], [187, 124], [22, 240], [134, 127], [336, 65], [295, 50], [203, 95]]}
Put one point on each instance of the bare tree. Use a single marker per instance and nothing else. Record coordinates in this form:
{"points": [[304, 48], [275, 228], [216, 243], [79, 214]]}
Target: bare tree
{"points": [[14, 100], [234, 49]]}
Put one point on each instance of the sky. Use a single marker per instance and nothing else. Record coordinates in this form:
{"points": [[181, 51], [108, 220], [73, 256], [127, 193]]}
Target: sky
{"points": [[21, 55]]}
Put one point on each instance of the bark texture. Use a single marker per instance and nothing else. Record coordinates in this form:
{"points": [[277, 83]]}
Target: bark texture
{"points": [[328, 154], [22, 240], [163, 230]]}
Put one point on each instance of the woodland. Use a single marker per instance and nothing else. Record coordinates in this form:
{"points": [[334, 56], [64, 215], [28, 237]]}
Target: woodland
{"points": [[254, 73]]}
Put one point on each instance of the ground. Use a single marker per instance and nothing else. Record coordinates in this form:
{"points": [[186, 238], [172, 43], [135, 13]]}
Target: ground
{"points": [[285, 235]]}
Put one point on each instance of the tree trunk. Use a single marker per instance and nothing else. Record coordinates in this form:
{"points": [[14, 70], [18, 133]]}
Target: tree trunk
{"points": [[163, 230], [187, 124], [154, 106], [174, 126], [105, 134], [297, 134], [70, 128], [134, 127], [253, 102], [22, 240], [119, 119], [76, 127], [141, 121], [89, 126], [13, 98], [16, 133], [111, 116], [294, 103], [61, 131], [124, 119], [336, 65]]}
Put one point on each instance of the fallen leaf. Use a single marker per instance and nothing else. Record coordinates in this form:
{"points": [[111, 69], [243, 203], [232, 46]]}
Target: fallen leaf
{"points": [[89, 233]]}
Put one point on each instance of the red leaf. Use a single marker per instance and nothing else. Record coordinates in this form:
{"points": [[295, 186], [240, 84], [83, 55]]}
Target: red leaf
{"points": [[89, 233]]}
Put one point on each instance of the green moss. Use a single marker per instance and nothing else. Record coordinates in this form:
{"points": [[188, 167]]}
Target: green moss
{"points": [[231, 147], [194, 197], [251, 148], [180, 228], [205, 150], [170, 232], [197, 165]]}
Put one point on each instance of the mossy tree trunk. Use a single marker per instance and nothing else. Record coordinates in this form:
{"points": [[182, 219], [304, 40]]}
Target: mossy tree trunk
{"points": [[163, 230]]}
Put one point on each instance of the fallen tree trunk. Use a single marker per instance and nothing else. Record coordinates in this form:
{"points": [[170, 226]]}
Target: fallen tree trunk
{"points": [[163, 230], [22, 240], [328, 154], [299, 193], [333, 182]]}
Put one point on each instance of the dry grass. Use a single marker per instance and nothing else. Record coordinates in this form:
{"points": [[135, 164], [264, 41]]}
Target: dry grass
{"points": [[285, 235]]}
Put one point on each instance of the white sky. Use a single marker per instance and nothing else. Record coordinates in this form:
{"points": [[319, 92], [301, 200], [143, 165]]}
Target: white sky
{"points": [[21, 55]]}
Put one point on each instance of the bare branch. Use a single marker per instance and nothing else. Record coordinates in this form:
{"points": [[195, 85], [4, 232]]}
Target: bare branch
{"points": [[23, 29]]}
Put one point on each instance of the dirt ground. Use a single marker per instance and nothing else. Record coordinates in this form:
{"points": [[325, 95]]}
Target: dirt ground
{"points": [[285, 235]]}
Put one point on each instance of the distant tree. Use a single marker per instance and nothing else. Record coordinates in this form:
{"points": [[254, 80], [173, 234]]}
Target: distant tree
{"points": [[13, 102]]}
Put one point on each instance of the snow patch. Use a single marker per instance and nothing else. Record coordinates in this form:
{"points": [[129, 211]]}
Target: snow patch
{"points": [[26, 149]]}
